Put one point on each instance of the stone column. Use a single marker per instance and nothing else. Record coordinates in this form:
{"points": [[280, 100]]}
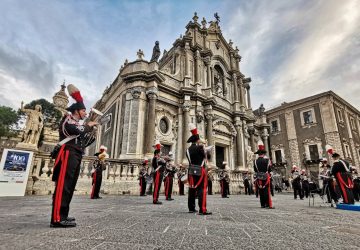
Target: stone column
{"points": [[197, 66], [236, 92], [208, 75], [248, 95], [152, 94], [186, 133], [187, 64], [242, 95], [246, 140], [180, 151], [224, 86], [212, 79], [265, 139], [239, 146], [252, 138], [209, 133]]}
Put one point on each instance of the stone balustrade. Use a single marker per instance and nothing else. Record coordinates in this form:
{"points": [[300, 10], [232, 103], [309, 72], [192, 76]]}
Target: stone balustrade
{"points": [[120, 177]]}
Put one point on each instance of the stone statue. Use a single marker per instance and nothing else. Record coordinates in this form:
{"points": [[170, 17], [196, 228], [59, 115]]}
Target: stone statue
{"points": [[156, 52], [34, 124], [249, 157], [261, 110], [217, 17]]}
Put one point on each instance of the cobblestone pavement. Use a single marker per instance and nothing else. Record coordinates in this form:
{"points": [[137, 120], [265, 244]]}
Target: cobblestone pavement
{"points": [[130, 222]]}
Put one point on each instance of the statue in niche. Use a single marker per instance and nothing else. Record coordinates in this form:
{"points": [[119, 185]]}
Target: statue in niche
{"points": [[218, 84], [34, 124], [249, 157], [156, 52]]}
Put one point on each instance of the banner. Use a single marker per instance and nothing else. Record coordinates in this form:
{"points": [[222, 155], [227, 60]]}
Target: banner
{"points": [[14, 171]]}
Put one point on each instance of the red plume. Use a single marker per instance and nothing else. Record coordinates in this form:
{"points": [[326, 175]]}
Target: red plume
{"points": [[329, 149], [261, 145], [74, 92]]}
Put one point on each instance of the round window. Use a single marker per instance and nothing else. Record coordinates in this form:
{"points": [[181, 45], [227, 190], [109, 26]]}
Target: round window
{"points": [[164, 125]]}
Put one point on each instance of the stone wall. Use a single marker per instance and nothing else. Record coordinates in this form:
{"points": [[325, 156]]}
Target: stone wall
{"points": [[120, 178]]}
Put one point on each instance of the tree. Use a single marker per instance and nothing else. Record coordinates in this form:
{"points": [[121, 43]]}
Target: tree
{"points": [[8, 121]]}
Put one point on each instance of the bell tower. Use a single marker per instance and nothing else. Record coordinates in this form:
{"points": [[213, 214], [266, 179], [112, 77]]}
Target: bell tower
{"points": [[61, 100]]}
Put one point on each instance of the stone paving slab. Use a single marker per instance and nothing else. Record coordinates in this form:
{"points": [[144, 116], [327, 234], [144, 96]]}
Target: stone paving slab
{"points": [[132, 222]]}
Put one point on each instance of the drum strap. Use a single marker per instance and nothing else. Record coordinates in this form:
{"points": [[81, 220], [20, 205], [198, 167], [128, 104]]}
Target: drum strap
{"points": [[344, 164]]}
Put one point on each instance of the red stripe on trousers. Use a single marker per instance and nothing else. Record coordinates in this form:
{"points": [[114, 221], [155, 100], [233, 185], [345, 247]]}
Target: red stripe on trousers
{"points": [[342, 186], [93, 187], [60, 186], [204, 192], [157, 176], [59, 156]]}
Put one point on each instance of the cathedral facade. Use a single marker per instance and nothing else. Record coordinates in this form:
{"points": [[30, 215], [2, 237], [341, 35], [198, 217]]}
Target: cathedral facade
{"points": [[197, 81]]}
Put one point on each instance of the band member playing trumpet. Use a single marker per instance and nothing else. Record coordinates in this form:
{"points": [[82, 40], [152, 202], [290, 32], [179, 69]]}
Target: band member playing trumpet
{"points": [[262, 168], [143, 174], [158, 166], [99, 166], [74, 138], [197, 173], [180, 174], [341, 171], [170, 171]]}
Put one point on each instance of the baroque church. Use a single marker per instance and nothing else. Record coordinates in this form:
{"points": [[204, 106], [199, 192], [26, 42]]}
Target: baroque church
{"points": [[196, 81]]}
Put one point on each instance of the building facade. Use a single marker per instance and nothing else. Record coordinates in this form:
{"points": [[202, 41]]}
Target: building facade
{"points": [[197, 81], [300, 130]]}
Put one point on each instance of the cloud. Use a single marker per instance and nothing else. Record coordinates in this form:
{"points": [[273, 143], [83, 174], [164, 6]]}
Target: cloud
{"points": [[291, 49], [298, 48]]}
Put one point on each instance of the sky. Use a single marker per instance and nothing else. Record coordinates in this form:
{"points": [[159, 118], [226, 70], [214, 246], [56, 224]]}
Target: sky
{"points": [[290, 49]]}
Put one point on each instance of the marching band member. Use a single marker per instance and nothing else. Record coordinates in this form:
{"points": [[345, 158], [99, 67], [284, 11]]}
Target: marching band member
{"points": [[304, 183], [170, 171], [328, 185], [262, 168], [158, 165], [296, 183], [99, 166], [341, 171], [246, 182], [197, 173], [224, 179], [74, 138], [180, 174], [143, 174]]}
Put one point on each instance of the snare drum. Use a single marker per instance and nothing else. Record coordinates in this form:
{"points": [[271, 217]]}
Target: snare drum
{"points": [[184, 179]]}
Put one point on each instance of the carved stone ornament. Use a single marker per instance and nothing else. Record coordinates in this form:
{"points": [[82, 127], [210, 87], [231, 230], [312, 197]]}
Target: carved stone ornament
{"points": [[136, 92], [199, 116], [186, 106], [152, 93], [229, 126], [312, 140]]}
